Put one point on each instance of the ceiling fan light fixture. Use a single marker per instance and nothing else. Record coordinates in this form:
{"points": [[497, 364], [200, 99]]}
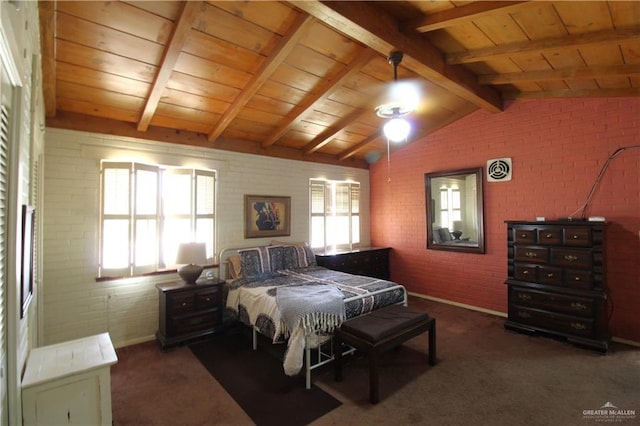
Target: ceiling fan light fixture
{"points": [[397, 129]]}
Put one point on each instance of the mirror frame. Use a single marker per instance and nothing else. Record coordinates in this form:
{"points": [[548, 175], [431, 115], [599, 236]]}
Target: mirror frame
{"points": [[428, 178]]}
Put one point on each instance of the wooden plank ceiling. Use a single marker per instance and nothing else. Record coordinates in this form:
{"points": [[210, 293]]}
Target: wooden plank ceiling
{"points": [[301, 79]]}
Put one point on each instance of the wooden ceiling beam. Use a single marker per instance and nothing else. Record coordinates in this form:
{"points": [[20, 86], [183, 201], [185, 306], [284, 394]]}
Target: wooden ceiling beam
{"points": [[357, 147], [188, 14], [319, 95], [325, 137], [565, 42], [562, 74], [46, 10], [268, 67], [368, 24], [459, 15], [569, 93], [92, 124]]}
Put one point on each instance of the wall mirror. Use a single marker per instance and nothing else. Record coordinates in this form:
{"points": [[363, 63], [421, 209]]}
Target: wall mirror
{"points": [[454, 210]]}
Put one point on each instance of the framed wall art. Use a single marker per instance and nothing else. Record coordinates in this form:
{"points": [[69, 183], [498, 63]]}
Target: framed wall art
{"points": [[267, 216]]}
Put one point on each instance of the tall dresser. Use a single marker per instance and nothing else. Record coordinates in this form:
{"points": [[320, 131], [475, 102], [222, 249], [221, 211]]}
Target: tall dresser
{"points": [[556, 280]]}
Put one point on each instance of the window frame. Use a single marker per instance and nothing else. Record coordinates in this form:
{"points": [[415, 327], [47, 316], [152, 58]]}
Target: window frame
{"points": [[132, 216], [329, 210]]}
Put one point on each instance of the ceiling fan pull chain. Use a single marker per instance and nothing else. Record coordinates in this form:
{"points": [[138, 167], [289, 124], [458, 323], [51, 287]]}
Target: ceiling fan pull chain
{"points": [[388, 163]]}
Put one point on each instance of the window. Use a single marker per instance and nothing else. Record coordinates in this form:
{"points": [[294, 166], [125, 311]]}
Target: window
{"points": [[335, 214], [450, 207], [147, 211]]}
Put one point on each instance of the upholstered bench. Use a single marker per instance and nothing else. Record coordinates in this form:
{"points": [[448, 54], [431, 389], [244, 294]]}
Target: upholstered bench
{"points": [[379, 331]]}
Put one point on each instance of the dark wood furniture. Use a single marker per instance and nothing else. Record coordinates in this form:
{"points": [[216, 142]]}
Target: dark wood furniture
{"points": [[188, 311], [379, 331], [370, 261], [556, 280]]}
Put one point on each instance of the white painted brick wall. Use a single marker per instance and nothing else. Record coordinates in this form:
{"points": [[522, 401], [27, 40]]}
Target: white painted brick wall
{"points": [[75, 305]]}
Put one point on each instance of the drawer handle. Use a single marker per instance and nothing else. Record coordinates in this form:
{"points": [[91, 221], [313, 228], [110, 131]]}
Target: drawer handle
{"points": [[208, 299], [523, 235], [577, 306], [524, 314], [570, 258], [525, 272], [549, 235], [184, 304], [578, 326], [524, 296], [575, 237], [531, 254], [550, 275], [576, 279]]}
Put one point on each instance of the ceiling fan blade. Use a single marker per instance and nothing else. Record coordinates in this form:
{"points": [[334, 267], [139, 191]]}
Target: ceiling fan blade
{"points": [[407, 92]]}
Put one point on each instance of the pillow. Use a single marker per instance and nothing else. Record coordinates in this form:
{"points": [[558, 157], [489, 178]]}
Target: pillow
{"points": [[259, 260], [298, 256], [234, 266]]}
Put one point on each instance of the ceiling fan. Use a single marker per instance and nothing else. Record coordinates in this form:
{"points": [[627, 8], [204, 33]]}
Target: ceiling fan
{"points": [[402, 98]]}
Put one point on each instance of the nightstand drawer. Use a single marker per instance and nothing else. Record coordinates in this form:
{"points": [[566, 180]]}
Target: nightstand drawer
{"points": [[208, 299], [180, 303], [192, 323]]}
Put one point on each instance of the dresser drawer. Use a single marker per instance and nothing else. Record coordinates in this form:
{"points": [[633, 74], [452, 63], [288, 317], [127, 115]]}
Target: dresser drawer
{"points": [[578, 237], [525, 236], [532, 254], [526, 272], [550, 236], [579, 279], [550, 276], [580, 306], [572, 258], [553, 321]]}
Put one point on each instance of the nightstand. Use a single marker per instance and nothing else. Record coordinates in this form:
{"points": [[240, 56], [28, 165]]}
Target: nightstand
{"points": [[189, 311]]}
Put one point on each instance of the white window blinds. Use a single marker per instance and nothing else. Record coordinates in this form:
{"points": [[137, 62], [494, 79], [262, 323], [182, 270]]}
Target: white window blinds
{"points": [[147, 211], [334, 214]]}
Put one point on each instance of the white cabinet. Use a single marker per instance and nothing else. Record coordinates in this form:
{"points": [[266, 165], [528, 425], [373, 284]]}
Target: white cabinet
{"points": [[69, 383]]}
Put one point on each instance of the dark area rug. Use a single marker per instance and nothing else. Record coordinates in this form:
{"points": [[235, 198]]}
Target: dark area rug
{"points": [[256, 381]]}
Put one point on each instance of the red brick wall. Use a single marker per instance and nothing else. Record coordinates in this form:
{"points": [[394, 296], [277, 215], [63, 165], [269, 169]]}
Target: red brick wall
{"points": [[558, 148]]}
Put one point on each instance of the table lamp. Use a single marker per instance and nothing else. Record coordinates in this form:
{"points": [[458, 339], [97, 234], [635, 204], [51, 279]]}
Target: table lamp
{"points": [[191, 255]]}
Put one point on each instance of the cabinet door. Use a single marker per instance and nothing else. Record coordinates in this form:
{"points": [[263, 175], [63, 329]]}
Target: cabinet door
{"points": [[76, 402]]}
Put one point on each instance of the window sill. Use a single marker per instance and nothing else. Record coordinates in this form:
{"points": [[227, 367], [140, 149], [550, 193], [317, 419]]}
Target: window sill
{"points": [[155, 276]]}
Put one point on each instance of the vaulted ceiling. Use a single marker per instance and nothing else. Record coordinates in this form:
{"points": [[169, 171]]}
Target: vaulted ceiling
{"points": [[302, 79]]}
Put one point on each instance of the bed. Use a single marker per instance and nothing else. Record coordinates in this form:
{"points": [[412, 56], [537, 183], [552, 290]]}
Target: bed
{"points": [[280, 292]]}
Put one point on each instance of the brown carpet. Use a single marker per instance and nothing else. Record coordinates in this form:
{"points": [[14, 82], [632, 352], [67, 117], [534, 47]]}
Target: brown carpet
{"points": [[484, 376]]}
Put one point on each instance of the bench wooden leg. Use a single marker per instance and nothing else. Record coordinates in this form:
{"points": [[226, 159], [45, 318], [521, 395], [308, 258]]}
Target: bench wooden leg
{"points": [[432, 343], [373, 377], [337, 362]]}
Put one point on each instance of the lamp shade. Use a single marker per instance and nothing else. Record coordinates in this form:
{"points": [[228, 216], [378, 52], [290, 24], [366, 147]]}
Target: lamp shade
{"points": [[397, 129], [193, 256]]}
